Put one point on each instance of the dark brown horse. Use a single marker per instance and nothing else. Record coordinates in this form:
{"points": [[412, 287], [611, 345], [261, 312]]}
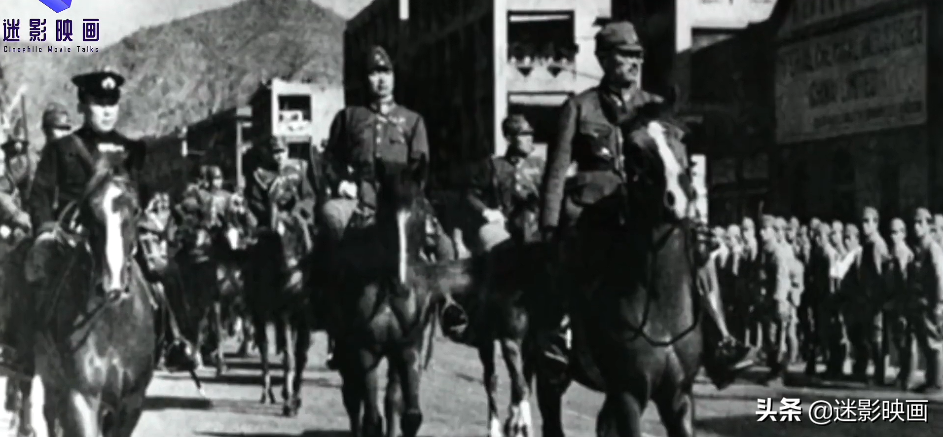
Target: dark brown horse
{"points": [[276, 292], [379, 301], [94, 323], [634, 310]]}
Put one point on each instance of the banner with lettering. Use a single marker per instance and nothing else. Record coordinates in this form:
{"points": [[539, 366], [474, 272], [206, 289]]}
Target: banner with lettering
{"points": [[870, 77]]}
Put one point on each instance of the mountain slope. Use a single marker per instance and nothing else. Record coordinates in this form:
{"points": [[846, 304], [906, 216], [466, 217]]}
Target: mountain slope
{"points": [[182, 71]]}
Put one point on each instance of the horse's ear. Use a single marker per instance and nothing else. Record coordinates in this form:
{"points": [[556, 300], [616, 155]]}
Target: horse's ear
{"points": [[420, 170]]}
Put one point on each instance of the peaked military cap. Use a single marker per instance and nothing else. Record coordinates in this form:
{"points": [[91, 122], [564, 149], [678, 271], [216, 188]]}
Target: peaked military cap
{"points": [[103, 84], [618, 35], [516, 124], [55, 116], [378, 60]]}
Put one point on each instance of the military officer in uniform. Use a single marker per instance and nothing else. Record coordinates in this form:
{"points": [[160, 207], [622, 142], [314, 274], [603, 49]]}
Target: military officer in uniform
{"points": [[507, 188], [863, 315], [899, 322], [589, 135], [938, 228], [361, 136], [212, 178], [926, 285], [775, 271], [64, 169]]}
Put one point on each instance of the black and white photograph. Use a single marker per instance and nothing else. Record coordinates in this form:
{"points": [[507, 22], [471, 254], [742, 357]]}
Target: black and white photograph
{"points": [[465, 218]]}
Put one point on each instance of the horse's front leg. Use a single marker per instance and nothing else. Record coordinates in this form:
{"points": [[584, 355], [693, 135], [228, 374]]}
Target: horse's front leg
{"points": [[490, 380], [302, 344], [289, 409], [261, 339], [372, 422], [621, 416], [519, 422], [410, 369], [551, 385], [80, 416], [24, 412], [393, 402], [220, 335]]}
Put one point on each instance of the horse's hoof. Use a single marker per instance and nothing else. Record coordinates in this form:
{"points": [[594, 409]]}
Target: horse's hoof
{"points": [[289, 411], [264, 399], [27, 431], [221, 370]]}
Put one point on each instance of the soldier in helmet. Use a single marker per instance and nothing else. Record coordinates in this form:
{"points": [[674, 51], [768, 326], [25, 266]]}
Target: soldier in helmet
{"points": [[62, 174], [925, 283], [360, 136], [504, 194], [211, 179], [56, 122], [589, 136], [508, 183]]}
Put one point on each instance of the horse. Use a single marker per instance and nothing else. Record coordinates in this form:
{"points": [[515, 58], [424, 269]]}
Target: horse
{"points": [[238, 228], [378, 300], [276, 291], [94, 322], [633, 308], [191, 278], [18, 391], [500, 288]]}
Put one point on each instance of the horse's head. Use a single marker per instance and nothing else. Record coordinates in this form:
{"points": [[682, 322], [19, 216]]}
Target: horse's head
{"points": [[109, 212], [403, 213], [657, 170]]}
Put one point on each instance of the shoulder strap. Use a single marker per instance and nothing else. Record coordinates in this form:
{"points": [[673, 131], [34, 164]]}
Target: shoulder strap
{"points": [[83, 152]]}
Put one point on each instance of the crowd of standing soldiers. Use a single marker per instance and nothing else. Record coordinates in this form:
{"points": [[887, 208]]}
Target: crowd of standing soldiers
{"points": [[851, 295]]}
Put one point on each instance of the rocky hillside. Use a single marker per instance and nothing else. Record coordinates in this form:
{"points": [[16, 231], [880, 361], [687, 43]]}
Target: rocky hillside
{"points": [[183, 70]]}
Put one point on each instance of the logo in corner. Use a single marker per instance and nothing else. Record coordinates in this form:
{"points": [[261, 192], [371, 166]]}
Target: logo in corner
{"points": [[57, 5]]}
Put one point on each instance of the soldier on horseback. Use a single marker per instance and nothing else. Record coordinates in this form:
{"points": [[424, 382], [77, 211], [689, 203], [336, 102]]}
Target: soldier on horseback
{"points": [[62, 174], [362, 135], [590, 136], [508, 187], [272, 177]]}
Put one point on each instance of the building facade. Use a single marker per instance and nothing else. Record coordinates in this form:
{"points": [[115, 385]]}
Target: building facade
{"points": [[854, 85], [466, 64], [220, 139]]}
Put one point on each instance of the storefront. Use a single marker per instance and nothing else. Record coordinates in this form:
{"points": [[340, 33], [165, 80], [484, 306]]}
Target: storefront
{"points": [[852, 108]]}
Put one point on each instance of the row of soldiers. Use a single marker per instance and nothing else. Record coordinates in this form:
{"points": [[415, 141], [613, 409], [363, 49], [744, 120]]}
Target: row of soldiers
{"points": [[844, 291]]}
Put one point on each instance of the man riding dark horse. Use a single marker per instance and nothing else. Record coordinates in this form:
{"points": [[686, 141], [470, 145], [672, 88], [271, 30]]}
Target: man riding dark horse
{"points": [[590, 136], [64, 170], [362, 135]]}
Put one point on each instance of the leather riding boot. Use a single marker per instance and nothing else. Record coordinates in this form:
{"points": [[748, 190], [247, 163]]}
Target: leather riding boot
{"points": [[180, 354]]}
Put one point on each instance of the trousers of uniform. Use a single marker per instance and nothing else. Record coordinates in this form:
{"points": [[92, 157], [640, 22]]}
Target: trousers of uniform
{"points": [[865, 325], [792, 335], [825, 337], [929, 334], [775, 331], [901, 326]]}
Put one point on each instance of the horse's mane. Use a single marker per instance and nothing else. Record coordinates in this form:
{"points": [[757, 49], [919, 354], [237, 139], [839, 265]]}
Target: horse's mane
{"points": [[107, 169]]}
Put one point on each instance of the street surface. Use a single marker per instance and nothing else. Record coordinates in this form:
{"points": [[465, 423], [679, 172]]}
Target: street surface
{"points": [[454, 405]]}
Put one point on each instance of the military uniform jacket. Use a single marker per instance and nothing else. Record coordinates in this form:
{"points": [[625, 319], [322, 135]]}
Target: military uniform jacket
{"points": [[67, 164], [360, 136], [777, 270], [874, 257], [589, 135], [293, 194], [506, 183], [926, 273], [896, 268]]}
